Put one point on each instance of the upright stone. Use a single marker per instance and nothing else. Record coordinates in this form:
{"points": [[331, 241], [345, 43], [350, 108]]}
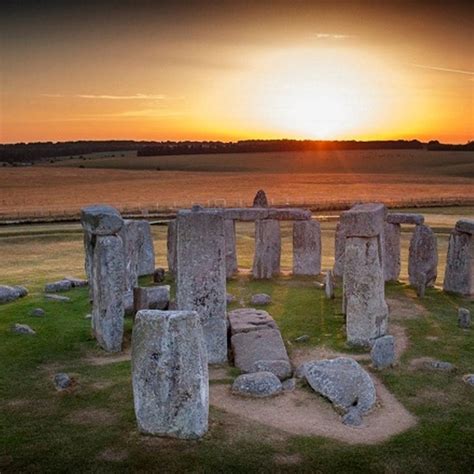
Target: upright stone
{"points": [[339, 249], [329, 285], [169, 374], [391, 254], [423, 256], [306, 248], [201, 277], [459, 273], [171, 246], [266, 262], [130, 235], [260, 199], [364, 290], [230, 248], [89, 244], [146, 250]]}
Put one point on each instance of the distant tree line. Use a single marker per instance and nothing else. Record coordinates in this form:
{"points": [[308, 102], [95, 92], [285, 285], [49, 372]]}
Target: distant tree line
{"points": [[40, 151]]}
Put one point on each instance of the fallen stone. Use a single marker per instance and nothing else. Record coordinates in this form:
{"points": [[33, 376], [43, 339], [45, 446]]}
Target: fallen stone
{"points": [[469, 379], [259, 384], [56, 297], [159, 275], [230, 298], [261, 299], [260, 199], [249, 319], [329, 285], [364, 220], [303, 338], [60, 285], [101, 220], [352, 417], [23, 329], [169, 374], [289, 385], [440, 365], [306, 248], [38, 312], [20, 290], [383, 352], [465, 225], [266, 262], [11, 293], [344, 382], [231, 266], [300, 372], [77, 282], [62, 381], [464, 318], [405, 218], [280, 368], [423, 256], [151, 297]]}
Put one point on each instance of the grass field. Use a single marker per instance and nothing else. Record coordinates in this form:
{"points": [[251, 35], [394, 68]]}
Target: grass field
{"points": [[92, 428]]}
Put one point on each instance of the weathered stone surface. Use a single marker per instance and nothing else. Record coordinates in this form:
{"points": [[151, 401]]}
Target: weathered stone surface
{"points": [[421, 285], [464, 318], [231, 266], [23, 329], [109, 283], [60, 285], [62, 381], [469, 379], [352, 418], [251, 347], [89, 244], [159, 275], [259, 384], [38, 312], [280, 368], [77, 282], [364, 291], [130, 235], [101, 220], [260, 199], [255, 214], [249, 319], [21, 291], [405, 218], [391, 253], [171, 242], [465, 225], [440, 365], [306, 248], [364, 220], [344, 382], [423, 256], [383, 352], [11, 293], [55, 297], [201, 277], [289, 385], [339, 249], [301, 370], [329, 285], [459, 272], [261, 299], [169, 374], [266, 262], [151, 297], [146, 250]]}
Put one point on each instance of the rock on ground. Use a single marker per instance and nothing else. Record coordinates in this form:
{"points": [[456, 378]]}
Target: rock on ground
{"points": [[352, 417], [343, 381], [383, 352], [62, 381], [469, 379], [280, 368], [261, 299], [60, 285], [77, 282], [23, 329], [57, 297], [38, 312], [440, 365], [260, 384], [249, 319], [464, 318], [11, 293]]}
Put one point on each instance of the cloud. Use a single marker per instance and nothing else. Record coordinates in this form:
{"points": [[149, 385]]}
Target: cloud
{"points": [[444, 69], [112, 97], [333, 36]]}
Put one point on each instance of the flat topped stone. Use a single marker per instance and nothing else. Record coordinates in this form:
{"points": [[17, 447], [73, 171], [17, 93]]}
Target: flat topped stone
{"points": [[465, 225], [250, 319], [405, 218], [364, 220], [255, 213], [260, 384], [101, 220]]}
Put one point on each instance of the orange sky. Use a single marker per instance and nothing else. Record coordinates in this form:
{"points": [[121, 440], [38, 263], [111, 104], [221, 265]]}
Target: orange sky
{"points": [[201, 70]]}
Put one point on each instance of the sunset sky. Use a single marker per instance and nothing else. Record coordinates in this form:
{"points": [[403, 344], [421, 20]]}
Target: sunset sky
{"points": [[235, 70]]}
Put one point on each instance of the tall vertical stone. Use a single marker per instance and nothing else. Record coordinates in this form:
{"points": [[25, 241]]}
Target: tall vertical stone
{"points": [[266, 262], [201, 275], [363, 281], [306, 248], [459, 273], [423, 256], [146, 250], [89, 244], [169, 374], [339, 249], [391, 254], [171, 246], [130, 235], [231, 266]]}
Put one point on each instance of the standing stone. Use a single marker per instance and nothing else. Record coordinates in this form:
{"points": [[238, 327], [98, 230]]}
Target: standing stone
{"points": [[171, 246], [363, 285], [383, 352], [146, 250], [339, 248], [201, 278], [169, 374], [266, 262], [89, 244], [329, 285], [109, 283], [306, 248], [391, 254], [459, 273], [130, 235], [423, 256], [464, 318], [260, 199], [230, 248]]}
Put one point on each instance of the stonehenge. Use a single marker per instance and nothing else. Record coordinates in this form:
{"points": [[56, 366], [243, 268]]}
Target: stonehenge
{"points": [[306, 248], [266, 263], [423, 257], [230, 248], [171, 246]]}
